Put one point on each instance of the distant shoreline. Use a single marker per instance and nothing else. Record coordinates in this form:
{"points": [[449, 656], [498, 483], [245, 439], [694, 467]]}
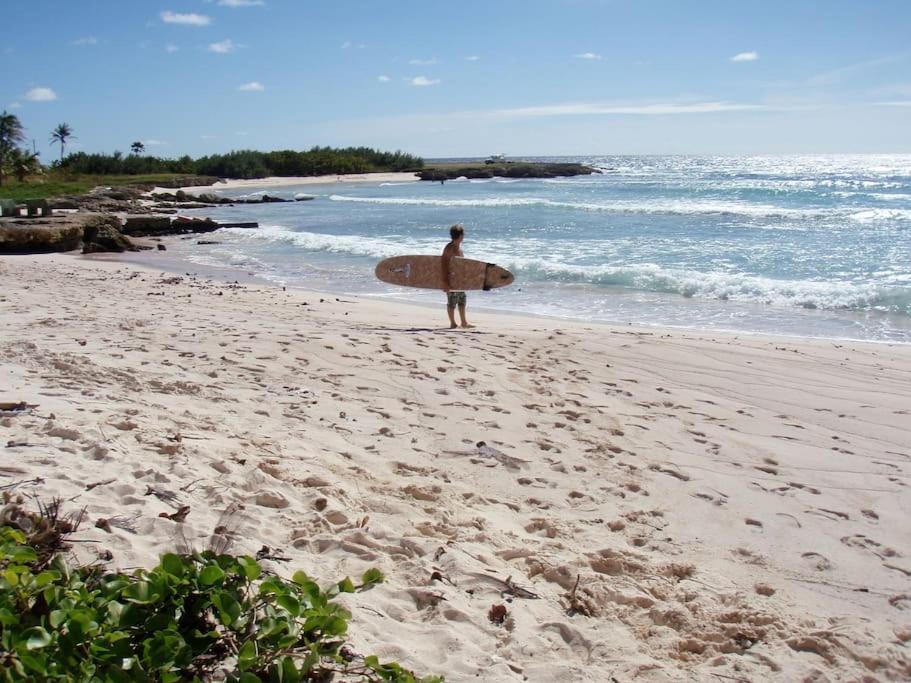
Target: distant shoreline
{"points": [[279, 181]]}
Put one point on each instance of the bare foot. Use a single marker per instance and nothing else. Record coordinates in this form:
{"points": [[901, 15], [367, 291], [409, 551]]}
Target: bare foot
{"points": [[466, 326], [453, 326]]}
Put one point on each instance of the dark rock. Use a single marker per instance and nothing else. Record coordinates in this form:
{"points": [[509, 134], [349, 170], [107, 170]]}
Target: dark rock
{"points": [[162, 247], [238, 225], [145, 226], [507, 170], [207, 242], [103, 233], [38, 236]]}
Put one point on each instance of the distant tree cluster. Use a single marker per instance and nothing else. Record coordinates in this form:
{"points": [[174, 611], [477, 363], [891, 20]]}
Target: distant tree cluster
{"points": [[118, 164], [246, 163], [316, 161], [240, 164]]}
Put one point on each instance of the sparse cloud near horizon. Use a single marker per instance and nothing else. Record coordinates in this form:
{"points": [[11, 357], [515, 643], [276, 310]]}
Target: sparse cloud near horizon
{"points": [[745, 57], [222, 47], [15, 105], [40, 95], [252, 86], [191, 19], [171, 48], [646, 109], [472, 58], [423, 81], [593, 56], [241, 3], [383, 79], [154, 143], [423, 62], [87, 40]]}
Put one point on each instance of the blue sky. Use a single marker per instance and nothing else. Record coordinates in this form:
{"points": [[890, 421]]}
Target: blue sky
{"points": [[462, 78]]}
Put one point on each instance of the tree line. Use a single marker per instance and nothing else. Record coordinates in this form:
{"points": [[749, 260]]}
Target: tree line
{"points": [[236, 164], [248, 163]]}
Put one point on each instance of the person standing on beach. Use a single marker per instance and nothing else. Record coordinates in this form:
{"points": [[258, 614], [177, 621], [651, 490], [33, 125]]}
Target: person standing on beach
{"points": [[457, 297]]}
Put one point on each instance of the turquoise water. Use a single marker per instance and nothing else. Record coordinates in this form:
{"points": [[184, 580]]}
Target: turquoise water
{"points": [[798, 245]]}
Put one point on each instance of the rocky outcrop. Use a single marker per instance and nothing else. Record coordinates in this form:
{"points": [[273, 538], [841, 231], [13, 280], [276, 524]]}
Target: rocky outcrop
{"points": [[147, 226], [512, 169], [159, 226], [209, 199], [39, 236], [102, 233]]}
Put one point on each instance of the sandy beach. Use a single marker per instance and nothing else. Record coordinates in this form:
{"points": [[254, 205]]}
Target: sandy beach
{"points": [[285, 181], [647, 504]]}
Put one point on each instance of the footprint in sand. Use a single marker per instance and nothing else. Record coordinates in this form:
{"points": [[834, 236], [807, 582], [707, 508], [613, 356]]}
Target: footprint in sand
{"points": [[816, 561]]}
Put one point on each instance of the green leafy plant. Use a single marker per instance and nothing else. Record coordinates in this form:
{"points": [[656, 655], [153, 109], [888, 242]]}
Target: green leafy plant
{"points": [[191, 618]]}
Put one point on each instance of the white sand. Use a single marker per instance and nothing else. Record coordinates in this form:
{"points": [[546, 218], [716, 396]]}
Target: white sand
{"points": [[276, 181], [686, 506]]}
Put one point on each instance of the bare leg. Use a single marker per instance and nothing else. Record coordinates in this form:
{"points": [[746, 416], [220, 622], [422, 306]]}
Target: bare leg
{"points": [[451, 311], [462, 316]]}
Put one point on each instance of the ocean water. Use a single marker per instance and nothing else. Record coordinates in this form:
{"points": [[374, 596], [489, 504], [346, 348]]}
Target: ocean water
{"points": [[808, 246]]}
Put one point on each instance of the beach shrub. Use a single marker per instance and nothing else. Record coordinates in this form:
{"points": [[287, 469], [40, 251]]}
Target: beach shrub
{"points": [[191, 618]]}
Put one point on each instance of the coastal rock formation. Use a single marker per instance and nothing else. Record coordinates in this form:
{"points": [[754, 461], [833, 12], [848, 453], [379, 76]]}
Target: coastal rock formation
{"points": [[209, 199], [39, 236], [507, 170], [102, 233], [158, 226], [145, 226]]}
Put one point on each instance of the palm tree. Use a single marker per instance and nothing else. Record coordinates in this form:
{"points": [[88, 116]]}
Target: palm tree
{"points": [[11, 134], [138, 147], [60, 135], [24, 163]]}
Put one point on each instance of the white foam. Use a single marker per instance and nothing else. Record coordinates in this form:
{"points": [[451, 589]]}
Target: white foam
{"points": [[657, 206]]}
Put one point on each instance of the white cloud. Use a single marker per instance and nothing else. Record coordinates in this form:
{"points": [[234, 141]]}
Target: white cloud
{"points": [[87, 40], [15, 105], [171, 48], [153, 143], [169, 17], [423, 62], [589, 55], [40, 95], [422, 81], [252, 86], [223, 47], [745, 57], [206, 137], [472, 58], [895, 103], [346, 45], [383, 79], [241, 3]]}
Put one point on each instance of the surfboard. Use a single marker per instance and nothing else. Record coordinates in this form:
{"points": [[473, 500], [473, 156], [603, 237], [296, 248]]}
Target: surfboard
{"points": [[426, 272]]}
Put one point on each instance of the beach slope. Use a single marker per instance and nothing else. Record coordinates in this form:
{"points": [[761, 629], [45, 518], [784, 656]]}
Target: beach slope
{"points": [[645, 504]]}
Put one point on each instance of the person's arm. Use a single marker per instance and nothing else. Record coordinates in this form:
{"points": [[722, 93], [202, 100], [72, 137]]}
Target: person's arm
{"points": [[447, 267]]}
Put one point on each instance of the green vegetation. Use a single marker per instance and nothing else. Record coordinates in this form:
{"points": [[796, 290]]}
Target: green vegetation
{"points": [[56, 184], [77, 173], [189, 619], [247, 163], [11, 136]]}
